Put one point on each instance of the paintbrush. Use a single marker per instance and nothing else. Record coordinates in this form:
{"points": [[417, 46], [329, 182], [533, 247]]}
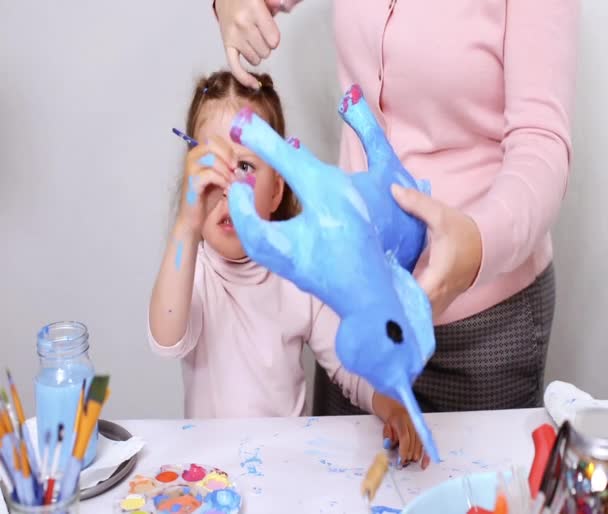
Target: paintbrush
{"points": [[19, 487], [28, 482], [192, 142], [79, 410], [33, 459], [5, 414], [45, 456], [50, 486], [4, 455], [88, 420], [9, 409]]}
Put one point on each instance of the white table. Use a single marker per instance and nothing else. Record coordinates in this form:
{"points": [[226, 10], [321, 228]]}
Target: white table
{"points": [[315, 465]]}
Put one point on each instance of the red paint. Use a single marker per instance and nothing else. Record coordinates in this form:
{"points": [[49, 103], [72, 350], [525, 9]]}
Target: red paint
{"points": [[295, 142], [355, 93], [250, 180], [352, 96], [194, 473], [235, 134], [245, 116]]}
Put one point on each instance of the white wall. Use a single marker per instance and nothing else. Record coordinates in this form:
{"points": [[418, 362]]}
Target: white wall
{"points": [[88, 95], [579, 346]]}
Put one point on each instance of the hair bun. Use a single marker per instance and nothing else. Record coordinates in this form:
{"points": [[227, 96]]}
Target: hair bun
{"points": [[266, 81]]}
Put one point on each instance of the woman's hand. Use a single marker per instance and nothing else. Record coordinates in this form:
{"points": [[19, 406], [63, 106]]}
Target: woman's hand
{"points": [[248, 29], [454, 251], [208, 164], [399, 430]]}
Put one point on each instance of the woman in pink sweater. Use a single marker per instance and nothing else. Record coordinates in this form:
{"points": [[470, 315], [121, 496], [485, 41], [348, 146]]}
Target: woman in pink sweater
{"points": [[238, 328], [476, 97]]}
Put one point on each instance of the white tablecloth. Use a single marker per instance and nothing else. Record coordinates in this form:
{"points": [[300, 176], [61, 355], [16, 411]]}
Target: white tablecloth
{"points": [[315, 465]]}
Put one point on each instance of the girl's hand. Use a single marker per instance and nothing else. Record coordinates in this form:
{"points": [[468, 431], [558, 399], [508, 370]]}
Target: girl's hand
{"points": [[399, 431], [248, 29], [454, 251], [208, 164]]}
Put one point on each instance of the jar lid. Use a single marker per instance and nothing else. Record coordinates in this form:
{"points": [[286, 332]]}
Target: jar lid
{"points": [[590, 434]]}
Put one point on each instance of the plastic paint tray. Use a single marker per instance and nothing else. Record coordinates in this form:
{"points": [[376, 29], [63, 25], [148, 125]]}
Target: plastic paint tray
{"points": [[181, 489]]}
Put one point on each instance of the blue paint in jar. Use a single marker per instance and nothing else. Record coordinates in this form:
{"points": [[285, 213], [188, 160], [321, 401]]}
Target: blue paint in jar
{"points": [[63, 348]]}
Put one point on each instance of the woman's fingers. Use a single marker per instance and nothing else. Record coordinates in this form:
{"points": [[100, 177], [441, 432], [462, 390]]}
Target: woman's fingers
{"points": [[234, 63]]}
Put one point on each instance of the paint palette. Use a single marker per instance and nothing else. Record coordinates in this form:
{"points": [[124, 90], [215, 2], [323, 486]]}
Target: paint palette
{"points": [[181, 489]]}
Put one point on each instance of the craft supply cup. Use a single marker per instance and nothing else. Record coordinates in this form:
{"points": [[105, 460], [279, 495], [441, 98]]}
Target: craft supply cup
{"points": [[63, 348], [69, 506]]}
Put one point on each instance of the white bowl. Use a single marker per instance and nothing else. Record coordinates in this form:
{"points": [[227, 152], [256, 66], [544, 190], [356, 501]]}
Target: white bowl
{"points": [[450, 498]]}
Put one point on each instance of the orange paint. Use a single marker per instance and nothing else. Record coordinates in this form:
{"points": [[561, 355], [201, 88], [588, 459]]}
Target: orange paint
{"points": [[186, 504], [167, 476], [501, 507]]}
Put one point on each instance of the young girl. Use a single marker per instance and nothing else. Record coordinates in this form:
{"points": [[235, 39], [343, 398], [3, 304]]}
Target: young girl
{"points": [[238, 328]]}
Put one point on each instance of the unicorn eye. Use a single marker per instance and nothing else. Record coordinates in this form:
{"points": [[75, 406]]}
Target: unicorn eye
{"points": [[394, 332]]}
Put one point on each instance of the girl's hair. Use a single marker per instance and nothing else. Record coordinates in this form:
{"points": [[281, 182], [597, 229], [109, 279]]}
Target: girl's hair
{"points": [[222, 85]]}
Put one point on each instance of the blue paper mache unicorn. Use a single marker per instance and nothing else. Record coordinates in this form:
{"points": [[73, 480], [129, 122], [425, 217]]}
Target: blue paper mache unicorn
{"points": [[352, 247]]}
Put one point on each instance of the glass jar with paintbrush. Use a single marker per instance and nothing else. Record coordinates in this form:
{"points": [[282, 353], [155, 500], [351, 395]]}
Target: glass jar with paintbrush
{"points": [[32, 485], [62, 384]]}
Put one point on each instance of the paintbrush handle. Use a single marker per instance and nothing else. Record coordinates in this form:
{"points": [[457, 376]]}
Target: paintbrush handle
{"points": [[70, 478], [87, 426], [31, 452]]}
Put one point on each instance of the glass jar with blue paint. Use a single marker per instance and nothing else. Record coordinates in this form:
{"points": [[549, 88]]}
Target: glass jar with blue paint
{"points": [[63, 348]]}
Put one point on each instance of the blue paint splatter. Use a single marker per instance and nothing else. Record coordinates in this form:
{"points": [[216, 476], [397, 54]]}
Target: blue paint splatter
{"points": [[179, 254], [457, 453], [191, 194], [380, 509], [188, 427], [310, 421], [252, 463], [481, 464], [332, 468]]}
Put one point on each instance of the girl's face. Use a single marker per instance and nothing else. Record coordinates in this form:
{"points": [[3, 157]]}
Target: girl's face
{"points": [[268, 185]]}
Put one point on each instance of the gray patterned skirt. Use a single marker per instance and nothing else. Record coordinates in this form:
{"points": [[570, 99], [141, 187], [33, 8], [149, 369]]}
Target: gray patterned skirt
{"points": [[492, 360]]}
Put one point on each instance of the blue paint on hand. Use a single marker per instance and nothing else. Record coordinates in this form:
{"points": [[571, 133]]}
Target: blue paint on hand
{"points": [[191, 195], [207, 160], [179, 252], [387, 443], [352, 247]]}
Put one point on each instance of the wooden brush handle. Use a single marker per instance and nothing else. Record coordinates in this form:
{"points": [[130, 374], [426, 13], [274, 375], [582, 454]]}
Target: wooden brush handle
{"points": [[375, 475], [87, 425]]}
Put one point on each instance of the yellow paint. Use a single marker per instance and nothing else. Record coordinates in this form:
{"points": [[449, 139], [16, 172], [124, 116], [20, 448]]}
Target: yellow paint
{"points": [[133, 502]]}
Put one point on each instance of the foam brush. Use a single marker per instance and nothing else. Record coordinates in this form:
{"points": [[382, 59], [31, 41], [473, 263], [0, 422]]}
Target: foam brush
{"points": [[88, 420]]}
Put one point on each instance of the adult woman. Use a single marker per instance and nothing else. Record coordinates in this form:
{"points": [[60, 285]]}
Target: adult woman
{"points": [[476, 97]]}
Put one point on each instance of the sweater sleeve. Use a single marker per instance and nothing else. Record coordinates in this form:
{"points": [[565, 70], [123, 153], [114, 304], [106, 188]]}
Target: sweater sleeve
{"points": [[539, 70], [194, 326], [323, 344]]}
